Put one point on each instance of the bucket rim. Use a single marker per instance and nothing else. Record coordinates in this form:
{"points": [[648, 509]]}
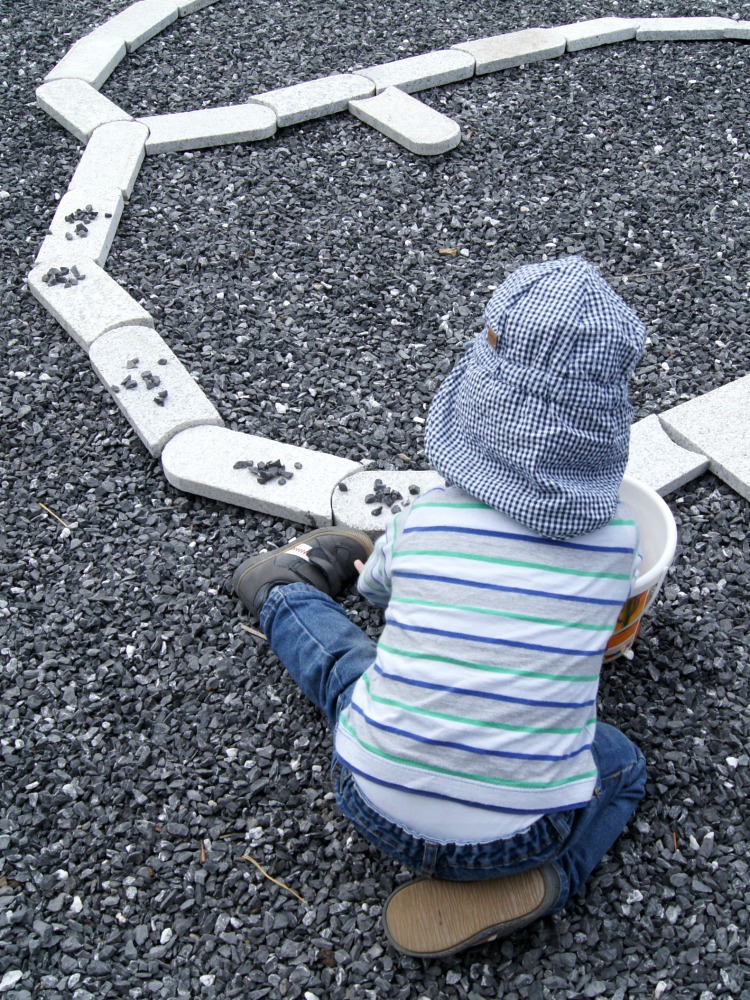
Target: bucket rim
{"points": [[632, 487]]}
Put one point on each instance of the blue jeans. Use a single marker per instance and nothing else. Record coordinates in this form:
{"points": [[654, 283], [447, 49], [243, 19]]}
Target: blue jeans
{"points": [[325, 653]]}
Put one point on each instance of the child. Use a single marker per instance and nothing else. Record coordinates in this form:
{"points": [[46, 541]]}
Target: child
{"points": [[466, 742]]}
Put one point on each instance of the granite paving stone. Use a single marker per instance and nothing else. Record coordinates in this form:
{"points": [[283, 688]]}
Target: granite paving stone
{"points": [[140, 22], [83, 226], [315, 98], [92, 306], [113, 157], [738, 30], [432, 69], [154, 390], [364, 505], [409, 122], [92, 59], [599, 31], [208, 127], [516, 48], [717, 424], [77, 106], [204, 461], [656, 460], [674, 29]]}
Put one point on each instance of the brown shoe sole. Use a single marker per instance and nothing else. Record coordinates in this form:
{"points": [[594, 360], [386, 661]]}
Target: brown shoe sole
{"points": [[430, 918]]}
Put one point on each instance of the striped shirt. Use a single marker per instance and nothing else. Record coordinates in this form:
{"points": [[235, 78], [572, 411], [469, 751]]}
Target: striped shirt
{"points": [[483, 691]]}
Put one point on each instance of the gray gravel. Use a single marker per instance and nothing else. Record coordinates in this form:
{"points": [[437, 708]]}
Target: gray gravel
{"points": [[148, 741]]}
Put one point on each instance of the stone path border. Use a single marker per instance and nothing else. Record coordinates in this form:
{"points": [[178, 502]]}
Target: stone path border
{"points": [[167, 409]]}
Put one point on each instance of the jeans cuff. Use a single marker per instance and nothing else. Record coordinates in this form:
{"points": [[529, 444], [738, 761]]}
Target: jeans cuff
{"points": [[275, 598]]}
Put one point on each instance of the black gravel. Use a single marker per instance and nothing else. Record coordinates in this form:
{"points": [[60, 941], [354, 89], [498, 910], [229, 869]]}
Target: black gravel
{"points": [[148, 740]]}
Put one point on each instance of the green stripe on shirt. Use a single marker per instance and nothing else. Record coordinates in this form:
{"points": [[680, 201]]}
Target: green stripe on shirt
{"points": [[492, 669], [501, 614], [483, 723], [486, 779], [497, 561]]}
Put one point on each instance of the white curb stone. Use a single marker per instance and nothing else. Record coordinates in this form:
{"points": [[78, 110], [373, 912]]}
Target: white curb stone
{"points": [[202, 461], [139, 22], [514, 49], [90, 308], [409, 122], [717, 424], [739, 30], [81, 240], [92, 59], [433, 69], [208, 127], [314, 98], [351, 511], [191, 6], [76, 106], [674, 29], [657, 461], [112, 158], [600, 31], [137, 355]]}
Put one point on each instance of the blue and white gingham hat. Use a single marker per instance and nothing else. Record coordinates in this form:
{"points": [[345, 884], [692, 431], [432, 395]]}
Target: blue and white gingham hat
{"points": [[535, 418]]}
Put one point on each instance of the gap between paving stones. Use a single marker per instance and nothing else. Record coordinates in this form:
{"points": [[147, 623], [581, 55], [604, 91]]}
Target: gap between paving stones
{"points": [[70, 96]]}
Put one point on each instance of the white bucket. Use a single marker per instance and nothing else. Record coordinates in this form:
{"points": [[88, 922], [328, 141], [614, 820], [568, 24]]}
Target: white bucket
{"points": [[658, 540]]}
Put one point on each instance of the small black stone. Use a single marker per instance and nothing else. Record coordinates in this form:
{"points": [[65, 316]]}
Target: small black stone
{"points": [[376, 510], [395, 509], [133, 363], [298, 465], [414, 490], [240, 465], [343, 487], [162, 361], [370, 498], [281, 481]]}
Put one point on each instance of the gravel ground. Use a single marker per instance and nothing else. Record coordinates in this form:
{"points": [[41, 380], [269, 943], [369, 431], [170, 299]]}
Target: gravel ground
{"points": [[148, 741]]}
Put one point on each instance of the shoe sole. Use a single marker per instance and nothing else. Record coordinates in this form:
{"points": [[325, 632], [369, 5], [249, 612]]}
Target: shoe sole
{"points": [[255, 561], [431, 918]]}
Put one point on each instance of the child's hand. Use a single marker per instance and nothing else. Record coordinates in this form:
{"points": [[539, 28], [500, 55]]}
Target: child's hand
{"points": [[359, 565]]}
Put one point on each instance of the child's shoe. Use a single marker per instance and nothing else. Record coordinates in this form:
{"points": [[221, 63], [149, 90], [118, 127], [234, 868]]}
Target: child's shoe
{"points": [[432, 918], [323, 558]]}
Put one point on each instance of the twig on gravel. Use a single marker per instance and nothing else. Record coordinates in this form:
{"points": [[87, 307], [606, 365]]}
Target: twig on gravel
{"points": [[246, 857], [651, 274], [53, 514], [254, 631]]}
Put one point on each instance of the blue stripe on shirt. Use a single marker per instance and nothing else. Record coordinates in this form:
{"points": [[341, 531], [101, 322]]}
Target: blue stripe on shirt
{"points": [[531, 539], [516, 644], [491, 695], [508, 590], [451, 798], [480, 751]]}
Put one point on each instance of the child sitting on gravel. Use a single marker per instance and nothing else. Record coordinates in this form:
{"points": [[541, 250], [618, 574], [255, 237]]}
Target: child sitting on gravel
{"points": [[466, 742]]}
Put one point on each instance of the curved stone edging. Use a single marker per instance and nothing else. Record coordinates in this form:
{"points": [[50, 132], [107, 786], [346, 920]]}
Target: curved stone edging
{"points": [[167, 409]]}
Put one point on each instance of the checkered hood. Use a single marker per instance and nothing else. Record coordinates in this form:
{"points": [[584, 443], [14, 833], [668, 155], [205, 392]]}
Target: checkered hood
{"points": [[535, 418]]}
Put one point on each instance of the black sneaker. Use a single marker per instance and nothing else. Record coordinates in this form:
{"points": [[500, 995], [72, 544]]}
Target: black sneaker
{"points": [[323, 558]]}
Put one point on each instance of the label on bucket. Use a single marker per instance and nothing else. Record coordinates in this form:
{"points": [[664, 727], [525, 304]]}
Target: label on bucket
{"points": [[628, 626]]}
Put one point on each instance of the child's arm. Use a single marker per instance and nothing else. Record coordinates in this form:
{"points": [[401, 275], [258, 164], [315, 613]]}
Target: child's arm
{"points": [[374, 582]]}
